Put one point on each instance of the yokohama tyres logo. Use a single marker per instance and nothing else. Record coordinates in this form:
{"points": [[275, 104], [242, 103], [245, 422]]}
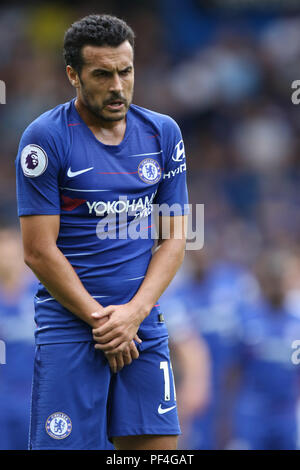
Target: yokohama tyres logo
{"points": [[136, 207]]}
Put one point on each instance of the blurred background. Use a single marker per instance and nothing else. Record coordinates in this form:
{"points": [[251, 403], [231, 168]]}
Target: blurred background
{"points": [[224, 71]]}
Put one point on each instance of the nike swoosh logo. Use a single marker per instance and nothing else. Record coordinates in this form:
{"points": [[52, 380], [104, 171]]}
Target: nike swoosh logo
{"points": [[162, 411], [71, 173]]}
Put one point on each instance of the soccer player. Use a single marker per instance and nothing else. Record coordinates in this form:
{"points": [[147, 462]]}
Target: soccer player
{"points": [[88, 174]]}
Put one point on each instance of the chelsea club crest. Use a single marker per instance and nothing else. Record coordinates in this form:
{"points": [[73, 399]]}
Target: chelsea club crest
{"points": [[58, 425], [149, 171]]}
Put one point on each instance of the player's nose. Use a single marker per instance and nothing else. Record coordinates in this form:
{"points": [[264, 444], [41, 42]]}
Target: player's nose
{"points": [[116, 83]]}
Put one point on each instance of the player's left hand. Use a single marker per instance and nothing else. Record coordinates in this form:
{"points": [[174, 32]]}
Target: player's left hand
{"points": [[120, 328], [124, 358]]}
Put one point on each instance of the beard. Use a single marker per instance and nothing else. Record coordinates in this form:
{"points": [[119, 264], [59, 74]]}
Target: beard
{"points": [[99, 111]]}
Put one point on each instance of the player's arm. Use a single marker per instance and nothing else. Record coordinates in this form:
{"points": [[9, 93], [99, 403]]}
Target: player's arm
{"points": [[194, 363], [52, 268], [124, 320], [164, 264], [39, 206], [55, 272]]}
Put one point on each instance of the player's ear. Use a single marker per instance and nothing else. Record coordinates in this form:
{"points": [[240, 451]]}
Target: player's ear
{"points": [[72, 76]]}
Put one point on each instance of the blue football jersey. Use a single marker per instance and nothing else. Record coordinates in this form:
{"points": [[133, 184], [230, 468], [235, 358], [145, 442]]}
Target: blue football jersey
{"points": [[104, 195]]}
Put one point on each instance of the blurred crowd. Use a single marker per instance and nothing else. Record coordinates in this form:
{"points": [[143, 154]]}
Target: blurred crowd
{"points": [[234, 308]]}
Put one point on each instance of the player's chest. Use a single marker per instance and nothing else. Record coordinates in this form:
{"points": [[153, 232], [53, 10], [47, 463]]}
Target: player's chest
{"points": [[102, 180], [135, 168]]}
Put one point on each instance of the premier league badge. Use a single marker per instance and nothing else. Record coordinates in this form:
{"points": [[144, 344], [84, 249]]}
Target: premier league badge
{"points": [[34, 160], [58, 425], [149, 171]]}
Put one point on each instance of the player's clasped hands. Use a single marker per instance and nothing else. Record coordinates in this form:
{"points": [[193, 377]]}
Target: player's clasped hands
{"points": [[116, 334], [124, 358]]}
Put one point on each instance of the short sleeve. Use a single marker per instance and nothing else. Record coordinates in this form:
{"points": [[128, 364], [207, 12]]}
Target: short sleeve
{"points": [[37, 170], [172, 191]]}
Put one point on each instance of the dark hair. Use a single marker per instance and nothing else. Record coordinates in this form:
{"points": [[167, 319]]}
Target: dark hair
{"points": [[95, 30]]}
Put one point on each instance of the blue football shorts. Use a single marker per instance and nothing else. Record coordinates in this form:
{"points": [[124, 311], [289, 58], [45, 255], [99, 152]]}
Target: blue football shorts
{"points": [[78, 403]]}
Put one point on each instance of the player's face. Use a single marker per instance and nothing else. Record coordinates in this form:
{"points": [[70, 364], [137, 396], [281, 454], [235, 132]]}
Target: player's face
{"points": [[272, 288], [106, 80]]}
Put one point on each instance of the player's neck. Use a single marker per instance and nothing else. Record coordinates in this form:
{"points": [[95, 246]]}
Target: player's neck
{"points": [[108, 132]]}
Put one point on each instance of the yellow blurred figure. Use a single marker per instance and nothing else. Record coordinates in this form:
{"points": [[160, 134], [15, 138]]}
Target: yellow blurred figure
{"points": [[47, 24]]}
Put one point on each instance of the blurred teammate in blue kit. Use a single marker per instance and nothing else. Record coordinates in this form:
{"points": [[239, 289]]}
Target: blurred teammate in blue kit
{"points": [[191, 358], [17, 287], [266, 379], [210, 297]]}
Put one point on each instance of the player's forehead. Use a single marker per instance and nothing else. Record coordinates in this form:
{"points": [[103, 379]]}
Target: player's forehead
{"points": [[106, 57]]}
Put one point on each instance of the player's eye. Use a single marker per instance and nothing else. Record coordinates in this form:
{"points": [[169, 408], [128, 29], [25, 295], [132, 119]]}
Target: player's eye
{"points": [[125, 72], [101, 73]]}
